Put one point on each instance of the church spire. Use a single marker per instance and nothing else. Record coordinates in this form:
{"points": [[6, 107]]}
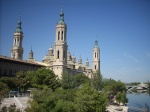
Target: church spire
{"points": [[96, 44], [61, 20], [31, 58], [19, 29]]}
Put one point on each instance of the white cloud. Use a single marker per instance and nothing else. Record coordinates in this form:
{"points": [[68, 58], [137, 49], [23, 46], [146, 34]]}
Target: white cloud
{"points": [[131, 57]]}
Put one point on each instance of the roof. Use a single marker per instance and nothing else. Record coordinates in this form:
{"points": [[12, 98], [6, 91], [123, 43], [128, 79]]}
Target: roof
{"points": [[5, 58]]}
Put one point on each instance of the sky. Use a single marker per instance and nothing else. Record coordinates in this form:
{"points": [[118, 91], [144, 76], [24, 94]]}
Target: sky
{"points": [[122, 28]]}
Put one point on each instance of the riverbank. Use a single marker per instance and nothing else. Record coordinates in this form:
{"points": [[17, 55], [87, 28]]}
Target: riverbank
{"points": [[115, 108]]}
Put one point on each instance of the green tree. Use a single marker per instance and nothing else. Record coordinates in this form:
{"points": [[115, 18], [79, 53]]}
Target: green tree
{"points": [[118, 97], [67, 81], [10, 82], [97, 81], [21, 81], [124, 98], [3, 91], [90, 100], [46, 100], [121, 97], [80, 79], [45, 77]]}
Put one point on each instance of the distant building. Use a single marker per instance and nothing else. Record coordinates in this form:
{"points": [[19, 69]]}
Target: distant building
{"points": [[58, 59]]}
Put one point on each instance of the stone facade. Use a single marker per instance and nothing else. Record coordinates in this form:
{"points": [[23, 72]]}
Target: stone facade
{"points": [[9, 66]]}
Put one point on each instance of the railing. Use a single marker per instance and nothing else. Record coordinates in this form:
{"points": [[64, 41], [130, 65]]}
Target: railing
{"points": [[20, 104]]}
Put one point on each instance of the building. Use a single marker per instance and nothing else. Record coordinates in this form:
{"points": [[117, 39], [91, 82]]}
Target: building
{"points": [[58, 58]]}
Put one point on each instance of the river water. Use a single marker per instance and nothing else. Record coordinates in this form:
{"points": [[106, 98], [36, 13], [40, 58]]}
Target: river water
{"points": [[138, 100]]}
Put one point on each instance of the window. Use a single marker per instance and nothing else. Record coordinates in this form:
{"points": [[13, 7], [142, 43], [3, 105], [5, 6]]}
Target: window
{"points": [[62, 35], [5, 72], [95, 67], [58, 35], [64, 55], [10, 73], [95, 55], [58, 54]]}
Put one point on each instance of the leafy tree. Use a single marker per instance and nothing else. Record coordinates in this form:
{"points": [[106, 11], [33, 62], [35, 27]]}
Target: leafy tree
{"points": [[3, 91], [89, 100], [80, 79], [9, 81], [121, 97], [113, 86], [97, 81], [124, 98], [45, 77], [34, 107], [21, 81], [67, 81], [46, 100], [118, 97]]}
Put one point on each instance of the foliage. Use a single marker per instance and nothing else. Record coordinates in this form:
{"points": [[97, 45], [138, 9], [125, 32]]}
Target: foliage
{"points": [[47, 100], [89, 100], [45, 77], [121, 97], [21, 81], [39, 79], [9, 81], [85, 99], [113, 86], [97, 81], [11, 108], [67, 81], [71, 82], [3, 91], [80, 79]]}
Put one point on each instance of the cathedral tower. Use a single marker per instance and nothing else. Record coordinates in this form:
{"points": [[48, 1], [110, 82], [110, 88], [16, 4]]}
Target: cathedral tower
{"points": [[31, 58], [60, 46], [96, 57], [17, 50]]}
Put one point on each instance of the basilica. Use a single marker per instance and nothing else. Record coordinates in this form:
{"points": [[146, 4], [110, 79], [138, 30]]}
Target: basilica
{"points": [[58, 58]]}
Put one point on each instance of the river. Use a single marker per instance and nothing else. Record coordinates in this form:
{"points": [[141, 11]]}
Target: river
{"points": [[138, 100]]}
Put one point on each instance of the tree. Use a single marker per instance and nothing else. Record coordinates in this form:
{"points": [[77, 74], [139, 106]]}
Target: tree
{"points": [[80, 79], [21, 81], [121, 97], [45, 77], [90, 100], [97, 81], [67, 81], [118, 97], [9, 81], [46, 100], [3, 91]]}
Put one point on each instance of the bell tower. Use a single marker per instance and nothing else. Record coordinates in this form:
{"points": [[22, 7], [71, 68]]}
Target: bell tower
{"points": [[96, 58], [60, 46], [17, 50]]}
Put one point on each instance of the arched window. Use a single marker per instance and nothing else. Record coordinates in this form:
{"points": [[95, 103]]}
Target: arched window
{"points": [[58, 35], [64, 55], [58, 54], [95, 67], [62, 35], [95, 55]]}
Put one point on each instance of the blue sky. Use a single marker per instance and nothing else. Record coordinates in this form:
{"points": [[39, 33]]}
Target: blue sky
{"points": [[122, 28]]}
